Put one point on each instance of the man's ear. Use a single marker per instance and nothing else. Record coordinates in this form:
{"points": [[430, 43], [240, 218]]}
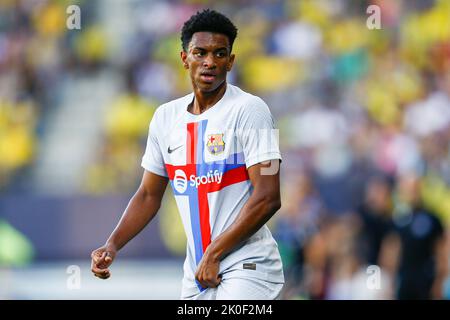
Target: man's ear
{"points": [[230, 63], [183, 56]]}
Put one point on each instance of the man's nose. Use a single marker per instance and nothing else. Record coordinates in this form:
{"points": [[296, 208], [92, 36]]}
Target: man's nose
{"points": [[209, 61]]}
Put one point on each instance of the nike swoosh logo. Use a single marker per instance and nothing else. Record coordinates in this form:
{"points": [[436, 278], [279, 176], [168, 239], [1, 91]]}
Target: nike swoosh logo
{"points": [[172, 150]]}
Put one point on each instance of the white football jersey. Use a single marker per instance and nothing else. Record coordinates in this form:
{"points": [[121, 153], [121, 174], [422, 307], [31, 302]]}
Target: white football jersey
{"points": [[206, 158]]}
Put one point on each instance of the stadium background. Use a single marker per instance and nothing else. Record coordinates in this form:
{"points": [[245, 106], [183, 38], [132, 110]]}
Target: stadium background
{"points": [[75, 107]]}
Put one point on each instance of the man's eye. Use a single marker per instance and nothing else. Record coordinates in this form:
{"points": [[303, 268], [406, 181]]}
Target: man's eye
{"points": [[199, 54], [221, 54]]}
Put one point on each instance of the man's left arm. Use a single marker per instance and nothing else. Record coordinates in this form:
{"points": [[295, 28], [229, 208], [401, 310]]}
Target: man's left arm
{"points": [[260, 207]]}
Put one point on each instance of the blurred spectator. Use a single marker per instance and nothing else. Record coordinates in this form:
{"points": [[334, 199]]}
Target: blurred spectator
{"points": [[423, 252], [17, 140], [375, 219], [126, 127], [346, 273], [296, 224]]}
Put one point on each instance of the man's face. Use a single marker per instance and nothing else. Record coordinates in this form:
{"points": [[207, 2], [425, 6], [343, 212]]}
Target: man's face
{"points": [[378, 195], [208, 60], [409, 189]]}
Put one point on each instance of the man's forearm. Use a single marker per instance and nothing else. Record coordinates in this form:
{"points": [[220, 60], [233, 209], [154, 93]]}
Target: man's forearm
{"points": [[255, 213], [140, 211]]}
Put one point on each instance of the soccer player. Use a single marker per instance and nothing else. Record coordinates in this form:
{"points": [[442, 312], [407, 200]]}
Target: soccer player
{"points": [[217, 148]]}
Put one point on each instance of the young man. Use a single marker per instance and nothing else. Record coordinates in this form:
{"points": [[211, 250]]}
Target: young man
{"points": [[217, 148]]}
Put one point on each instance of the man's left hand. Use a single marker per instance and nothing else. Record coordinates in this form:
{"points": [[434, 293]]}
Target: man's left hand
{"points": [[208, 272]]}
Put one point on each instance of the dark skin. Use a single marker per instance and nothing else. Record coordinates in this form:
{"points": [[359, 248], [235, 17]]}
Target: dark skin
{"points": [[208, 59], [140, 211]]}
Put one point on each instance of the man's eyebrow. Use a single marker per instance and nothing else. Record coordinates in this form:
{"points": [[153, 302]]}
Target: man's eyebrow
{"points": [[215, 50], [198, 48], [221, 48]]}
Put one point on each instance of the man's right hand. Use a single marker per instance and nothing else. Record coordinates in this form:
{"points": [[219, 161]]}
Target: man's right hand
{"points": [[102, 258], [141, 209]]}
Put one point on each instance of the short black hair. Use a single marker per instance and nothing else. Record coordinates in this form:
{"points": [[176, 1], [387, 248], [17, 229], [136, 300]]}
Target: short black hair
{"points": [[209, 21]]}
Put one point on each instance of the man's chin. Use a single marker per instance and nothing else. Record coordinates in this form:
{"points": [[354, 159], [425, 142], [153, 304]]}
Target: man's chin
{"points": [[206, 88], [209, 87]]}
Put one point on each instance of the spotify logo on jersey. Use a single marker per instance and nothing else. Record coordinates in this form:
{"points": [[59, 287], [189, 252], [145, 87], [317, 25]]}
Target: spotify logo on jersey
{"points": [[180, 181]]}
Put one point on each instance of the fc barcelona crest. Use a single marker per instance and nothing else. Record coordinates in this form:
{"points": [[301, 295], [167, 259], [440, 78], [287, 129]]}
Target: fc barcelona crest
{"points": [[215, 143]]}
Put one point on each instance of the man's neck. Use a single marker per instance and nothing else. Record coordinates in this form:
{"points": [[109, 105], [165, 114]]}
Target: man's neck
{"points": [[205, 100]]}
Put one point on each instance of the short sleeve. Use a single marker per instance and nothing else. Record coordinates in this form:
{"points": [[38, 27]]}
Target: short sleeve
{"points": [[153, 160], [257, 134]]}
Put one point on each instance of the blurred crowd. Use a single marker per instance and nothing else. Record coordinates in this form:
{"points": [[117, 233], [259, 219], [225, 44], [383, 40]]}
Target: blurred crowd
{"points": [[390, 246], [364, 119]]}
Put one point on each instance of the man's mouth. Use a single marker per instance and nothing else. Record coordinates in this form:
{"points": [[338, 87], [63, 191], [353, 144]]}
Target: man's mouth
{"points": [[207, 76]]}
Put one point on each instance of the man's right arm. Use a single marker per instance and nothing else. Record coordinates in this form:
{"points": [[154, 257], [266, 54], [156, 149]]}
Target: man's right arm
{"points": [[141, 209]]}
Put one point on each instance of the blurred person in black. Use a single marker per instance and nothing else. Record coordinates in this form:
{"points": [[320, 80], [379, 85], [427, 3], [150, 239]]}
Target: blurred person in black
{"points": [[423, 256], [298, 222], [375, 219]]}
